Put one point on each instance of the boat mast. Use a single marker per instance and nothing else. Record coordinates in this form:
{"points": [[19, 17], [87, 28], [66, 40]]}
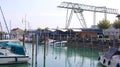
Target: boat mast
{"points": [[4, 20]]}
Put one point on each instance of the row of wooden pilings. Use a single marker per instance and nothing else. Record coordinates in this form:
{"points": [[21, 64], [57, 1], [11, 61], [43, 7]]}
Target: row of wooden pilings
{"points": [[35, 43]]}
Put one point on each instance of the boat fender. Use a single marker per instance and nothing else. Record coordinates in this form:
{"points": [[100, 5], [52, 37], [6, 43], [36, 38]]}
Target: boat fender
{"points": [[104, 61], [117, 65], [109, 62], [99, 58]]}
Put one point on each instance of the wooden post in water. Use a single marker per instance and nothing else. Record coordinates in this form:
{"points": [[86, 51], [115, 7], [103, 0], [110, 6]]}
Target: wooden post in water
{"points": [[75, 40], [91, 41], [24, 40], [36, 49], [44, 50], [60, 40], [33, 50], [53, 39], [83, 40]]}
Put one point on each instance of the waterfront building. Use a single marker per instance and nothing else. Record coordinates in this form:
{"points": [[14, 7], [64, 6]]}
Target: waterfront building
{"points": [[16, 33], [112, 33]]}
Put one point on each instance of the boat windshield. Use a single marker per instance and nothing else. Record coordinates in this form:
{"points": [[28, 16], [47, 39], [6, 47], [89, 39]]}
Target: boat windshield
{"points": [[1, 53]]}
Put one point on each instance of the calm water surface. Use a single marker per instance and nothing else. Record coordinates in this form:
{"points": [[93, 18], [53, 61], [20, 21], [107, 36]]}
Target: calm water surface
{"points": [[61, 57]]}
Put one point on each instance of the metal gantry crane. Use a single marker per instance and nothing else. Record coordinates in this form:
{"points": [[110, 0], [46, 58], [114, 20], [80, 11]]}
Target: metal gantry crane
{"points": [[79, 8]]}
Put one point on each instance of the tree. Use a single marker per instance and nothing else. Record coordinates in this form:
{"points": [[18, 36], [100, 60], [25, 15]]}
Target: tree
{"points": [[38, 29], [116, 24], [46, 28], [104, 24]]}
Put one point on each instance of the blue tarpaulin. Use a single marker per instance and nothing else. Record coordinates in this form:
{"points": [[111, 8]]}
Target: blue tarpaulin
{"points": [[15, 47]]}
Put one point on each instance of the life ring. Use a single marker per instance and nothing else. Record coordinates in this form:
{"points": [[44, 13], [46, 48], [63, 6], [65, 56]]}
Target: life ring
{"points": [[98, 58], [109, 62], [117, 65], [104, 61]]}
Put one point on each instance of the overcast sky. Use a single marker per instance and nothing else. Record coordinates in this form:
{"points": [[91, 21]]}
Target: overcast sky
{"points": [[44, 13]]}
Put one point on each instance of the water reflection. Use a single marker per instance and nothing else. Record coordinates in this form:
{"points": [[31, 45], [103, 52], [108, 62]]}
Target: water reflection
{"points": [[81, 57], [16, 65], [61, 57], [70, 57]]}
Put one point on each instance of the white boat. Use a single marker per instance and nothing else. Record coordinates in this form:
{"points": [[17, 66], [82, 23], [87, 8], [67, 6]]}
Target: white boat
{"points": [[27, 39], [60, 43], [11, 51], [111, 58], [50, 42]]}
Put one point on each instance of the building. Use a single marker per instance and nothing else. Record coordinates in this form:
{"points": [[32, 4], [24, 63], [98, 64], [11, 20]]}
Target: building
{"points": [[16, 33], [112, 33], [88, 34]]}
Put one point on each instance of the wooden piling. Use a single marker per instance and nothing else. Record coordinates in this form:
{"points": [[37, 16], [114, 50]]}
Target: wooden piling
{"points": [[33, 50], [36, 49], [44, 51], [24, 40]]}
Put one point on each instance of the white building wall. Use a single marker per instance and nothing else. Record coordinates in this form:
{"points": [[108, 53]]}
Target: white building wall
{"points": [[112, 33]]}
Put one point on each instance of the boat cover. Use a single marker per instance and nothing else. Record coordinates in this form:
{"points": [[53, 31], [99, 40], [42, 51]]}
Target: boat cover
{"points": [[15, 47], [111, 52]]}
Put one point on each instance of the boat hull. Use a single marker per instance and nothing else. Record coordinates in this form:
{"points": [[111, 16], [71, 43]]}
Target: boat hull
{"points": [[113, 62], [13, 59]]}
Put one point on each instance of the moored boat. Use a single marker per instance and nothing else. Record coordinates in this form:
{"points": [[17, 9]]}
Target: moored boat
{"points": [[60, 43], [111, 58], [12, 51]]}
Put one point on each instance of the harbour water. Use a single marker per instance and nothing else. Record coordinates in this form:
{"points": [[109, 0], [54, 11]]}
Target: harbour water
{"points": [[61, 57]]}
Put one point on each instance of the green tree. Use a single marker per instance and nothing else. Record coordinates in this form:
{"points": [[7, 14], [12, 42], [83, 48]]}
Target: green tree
{"points": [[116, 24], [104, 24], [46, 28], [38, 29]]}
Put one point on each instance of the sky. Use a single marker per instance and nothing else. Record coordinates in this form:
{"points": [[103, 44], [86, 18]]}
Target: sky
{"points": [[44, 13]]}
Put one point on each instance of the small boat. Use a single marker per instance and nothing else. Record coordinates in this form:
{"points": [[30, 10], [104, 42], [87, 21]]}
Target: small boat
{"points": [[111, 58], [60, 43], [12, 51], [50, 41], [27, 39]]}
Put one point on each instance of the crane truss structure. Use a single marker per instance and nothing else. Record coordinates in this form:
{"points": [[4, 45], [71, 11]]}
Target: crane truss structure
{"points": [[79, 8]]}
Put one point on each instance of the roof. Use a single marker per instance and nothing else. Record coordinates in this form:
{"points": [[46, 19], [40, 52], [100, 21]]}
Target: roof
{"points": [[16, 29]]}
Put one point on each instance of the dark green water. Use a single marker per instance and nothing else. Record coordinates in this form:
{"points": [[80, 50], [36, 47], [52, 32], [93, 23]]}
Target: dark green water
{"points": [[61, 57]]}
